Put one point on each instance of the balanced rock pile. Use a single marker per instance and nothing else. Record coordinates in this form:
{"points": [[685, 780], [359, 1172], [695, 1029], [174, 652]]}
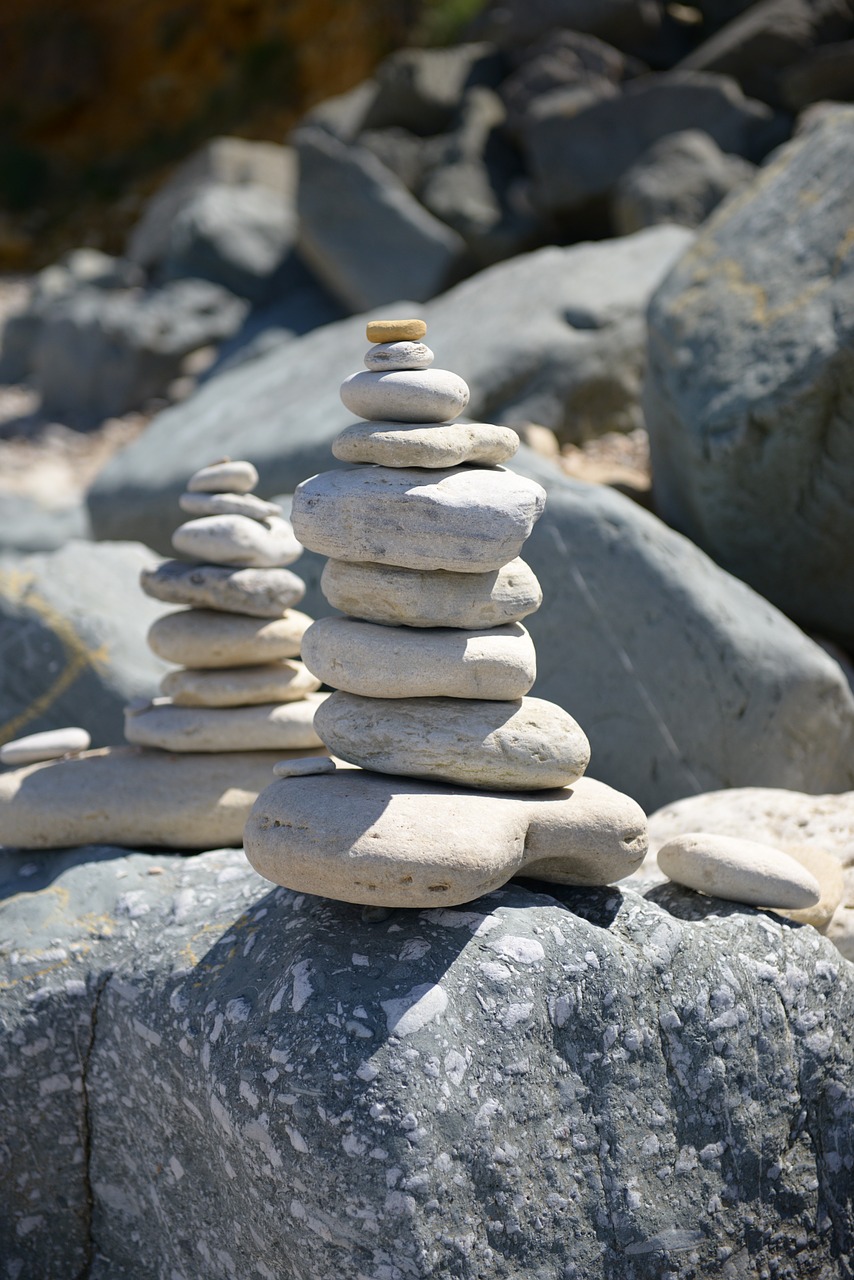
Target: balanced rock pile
{"points": [[431, 668]]}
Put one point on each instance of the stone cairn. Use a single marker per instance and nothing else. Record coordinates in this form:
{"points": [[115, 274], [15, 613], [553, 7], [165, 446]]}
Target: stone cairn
{"points": [[431, 668], [238, 686]]}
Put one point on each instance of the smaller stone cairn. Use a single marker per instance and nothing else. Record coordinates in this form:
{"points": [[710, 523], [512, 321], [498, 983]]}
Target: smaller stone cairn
{"points": [[238, 686]]}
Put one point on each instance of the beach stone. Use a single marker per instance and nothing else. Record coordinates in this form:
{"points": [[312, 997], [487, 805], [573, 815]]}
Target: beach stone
{"points": [[831, 881], [418, 598], [238, 540], [383, 331], [419, 444], [206, 638], [269, 727], [228, 504], [52, 744], [362, 837], [301, 768], [464, 520], [224, 477], [387, 356], [739, 870], [260, 593], [239, 686], [408, 395], [400, 662], [526, 745]]}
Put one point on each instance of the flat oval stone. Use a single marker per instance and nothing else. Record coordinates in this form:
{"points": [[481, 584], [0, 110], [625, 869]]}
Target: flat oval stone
{"points": [[239, 541], [52, 744], [419, 598], [361, 837], [261, 593], [416, 395], [400, 662], [466, 520], [224, 477], [527, 745], [302, 768], [270, 727], [239, 686], [204, 638], [395, 330], [388, 356], [228, 504], [738, 870], [419, 444]]}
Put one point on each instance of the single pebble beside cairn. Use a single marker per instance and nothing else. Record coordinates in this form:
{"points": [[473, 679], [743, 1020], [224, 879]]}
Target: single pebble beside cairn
{"points": [[461, 779], [239, 686]]}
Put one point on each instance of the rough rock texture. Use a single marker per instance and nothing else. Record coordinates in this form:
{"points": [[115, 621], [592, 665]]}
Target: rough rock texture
{"points": [[680, 179], [750, 390], [225, 1080]]}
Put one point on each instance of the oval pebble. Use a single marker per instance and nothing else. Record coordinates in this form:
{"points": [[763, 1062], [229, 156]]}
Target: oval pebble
{"points": [[238, 541], [271, 727], [418, 444], [303, 768], [204, 638], [239, 686], [738, 870], [419, 395], [395, 330], [388, 356], [260, 593], [224, 477], [52, 744], [228, 504]]}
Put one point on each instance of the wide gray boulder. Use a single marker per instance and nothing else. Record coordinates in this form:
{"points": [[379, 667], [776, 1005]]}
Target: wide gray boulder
{"points": [[749, 398], [680, 179], [204, 1076]]}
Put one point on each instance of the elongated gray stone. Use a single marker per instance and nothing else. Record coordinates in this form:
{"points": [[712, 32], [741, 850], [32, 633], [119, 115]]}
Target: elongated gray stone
{"points": [[465, 520], [384, 357], [417, 444], [526, 745], [407, 395], [362, 837], [401, 662], [52, 744], [227, 504], [205, 638], [420, 598], [238, 540], [239, 686], [260, 593], [269, 727], [224, 477]]}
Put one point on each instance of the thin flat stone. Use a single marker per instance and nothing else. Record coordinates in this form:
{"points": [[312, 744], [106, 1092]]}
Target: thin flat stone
{"points": [[205, 638], [738, 870], [224, 477], [302, 768], [526, 745], [466, 520], [407, 395], [260, 593], [395, 330], [361, 837], [52, 744], [238, 541], [386, 357], [239, 686], [419, 444], [419, 598], [400, 662], [228, 504], [270, 727]]}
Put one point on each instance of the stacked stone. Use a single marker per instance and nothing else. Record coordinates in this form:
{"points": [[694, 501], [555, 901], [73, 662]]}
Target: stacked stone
{"points": [[431, 666], [239, 686]]}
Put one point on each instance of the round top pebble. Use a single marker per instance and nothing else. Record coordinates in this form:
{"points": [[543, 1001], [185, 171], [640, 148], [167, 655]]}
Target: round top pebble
{"points": [[395, 330], [52, 744], [304, 766], [224, 477]]}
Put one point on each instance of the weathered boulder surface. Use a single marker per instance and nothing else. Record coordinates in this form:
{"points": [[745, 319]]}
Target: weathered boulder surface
{"points": [[206, 1077], [749, 396], [680, 179]]}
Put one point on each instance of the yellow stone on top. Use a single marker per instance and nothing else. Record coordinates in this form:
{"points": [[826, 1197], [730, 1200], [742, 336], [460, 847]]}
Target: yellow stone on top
{"points": [[396, 330]]}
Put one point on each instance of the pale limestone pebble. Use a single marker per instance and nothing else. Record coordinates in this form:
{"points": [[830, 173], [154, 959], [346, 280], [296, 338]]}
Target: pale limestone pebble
{"points": [[739, 870], [465, 520], [269, 727], [134, 798], [419, 444], [52, 744], [258, 593], [205, 638], [239, 686], [831, 882], [526, 745], [395, 330], [374, 661], [224, 477], [419, 598], [385, 357], [302, 768], [239, 541], [228, 504], [406, 395], [361, 837]]}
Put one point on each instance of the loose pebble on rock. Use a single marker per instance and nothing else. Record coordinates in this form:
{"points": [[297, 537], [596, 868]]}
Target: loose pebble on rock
{"points": [[739, 870], [50, 745], [301, 768]]}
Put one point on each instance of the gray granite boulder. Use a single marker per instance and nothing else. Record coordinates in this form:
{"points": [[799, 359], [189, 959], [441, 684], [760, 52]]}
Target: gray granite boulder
{"points": [[420, 89], [680, 179], [204, 1076], [749, 399]]}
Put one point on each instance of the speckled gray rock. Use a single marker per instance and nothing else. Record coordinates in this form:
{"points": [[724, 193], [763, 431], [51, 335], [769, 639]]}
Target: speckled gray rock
{"points": [[227, 504], [527, 745], [239, 686], [206, 638], [238, 540], [386, 356], [421, 395], [399, 662], [397, 444], [52, 744], [259, 593], [267, 727], [419, 598], [543, 1083], [466, 521], [224, 477]]}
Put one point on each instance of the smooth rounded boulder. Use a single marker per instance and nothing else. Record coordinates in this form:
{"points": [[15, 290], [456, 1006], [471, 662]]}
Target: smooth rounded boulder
{"points": [[258, 593], [238, 540], [419, 444], [205, 638], [405, 395]]}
